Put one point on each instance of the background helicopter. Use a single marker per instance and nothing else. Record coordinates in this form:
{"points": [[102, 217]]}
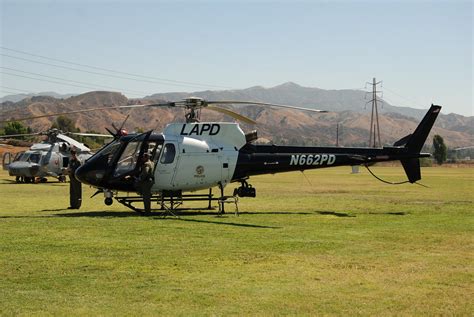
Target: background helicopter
{"points": [[199, 155], [48, 158]]}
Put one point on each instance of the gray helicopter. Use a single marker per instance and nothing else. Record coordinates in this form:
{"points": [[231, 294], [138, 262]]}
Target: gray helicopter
{"points": [[49, 158]]}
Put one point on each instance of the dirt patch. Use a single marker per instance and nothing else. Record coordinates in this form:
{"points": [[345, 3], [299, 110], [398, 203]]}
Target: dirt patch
{"points": [[10, 148]]}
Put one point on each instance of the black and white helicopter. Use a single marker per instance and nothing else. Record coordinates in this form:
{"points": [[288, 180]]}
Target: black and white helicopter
{"points": [[48, 158], [197, 155]]}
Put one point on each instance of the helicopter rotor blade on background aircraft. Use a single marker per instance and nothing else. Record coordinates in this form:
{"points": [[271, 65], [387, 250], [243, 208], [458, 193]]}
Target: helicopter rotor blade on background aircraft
{"points": [[16, 135], [71, 112], [90, 134]]}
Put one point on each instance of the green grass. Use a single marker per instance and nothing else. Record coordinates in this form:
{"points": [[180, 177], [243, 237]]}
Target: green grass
{"points": [[342, 245]]}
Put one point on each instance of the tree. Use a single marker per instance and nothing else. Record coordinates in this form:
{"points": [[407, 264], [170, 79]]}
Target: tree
{"points": [[440, 150], [64, 124], [15, 127]]}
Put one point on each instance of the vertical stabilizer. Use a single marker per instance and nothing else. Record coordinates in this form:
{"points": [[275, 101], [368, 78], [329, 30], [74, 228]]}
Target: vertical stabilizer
{"points": [[414, 143], [412, 169], [418, 138]]}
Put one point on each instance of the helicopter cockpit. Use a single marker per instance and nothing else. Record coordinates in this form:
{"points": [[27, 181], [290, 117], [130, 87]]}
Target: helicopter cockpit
{"points": [[115, 165], [34, 158], [28, 156], [134, 149]]}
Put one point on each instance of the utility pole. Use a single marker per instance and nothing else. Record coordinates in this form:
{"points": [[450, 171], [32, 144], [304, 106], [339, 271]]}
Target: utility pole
{"points": [[374, 126], [339, 134]]}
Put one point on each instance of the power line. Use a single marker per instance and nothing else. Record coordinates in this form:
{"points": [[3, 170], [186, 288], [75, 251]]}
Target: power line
{"points": [[396, 104], [138, 93], [90, 72], [50, 81], [169, 81], [8, 91], [407, 99], [22, 90]]}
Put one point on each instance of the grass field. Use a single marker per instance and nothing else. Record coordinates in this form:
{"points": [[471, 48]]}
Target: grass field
{"points": [[323, 243]]}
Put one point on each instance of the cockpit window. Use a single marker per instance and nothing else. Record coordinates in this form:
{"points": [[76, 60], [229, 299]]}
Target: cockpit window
{"points": [[128, 159], [34, 158], [24, 157], [19, 156], [109, 151], [169, 153]]}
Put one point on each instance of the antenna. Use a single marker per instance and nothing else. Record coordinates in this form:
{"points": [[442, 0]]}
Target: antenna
{"points": [[374, 127]]}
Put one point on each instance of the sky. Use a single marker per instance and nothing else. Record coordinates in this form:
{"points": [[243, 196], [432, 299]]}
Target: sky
{"points": [[421, 50]]}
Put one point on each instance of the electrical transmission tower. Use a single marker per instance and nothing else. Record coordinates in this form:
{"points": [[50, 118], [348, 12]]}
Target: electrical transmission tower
{"points": [[374, 138]]}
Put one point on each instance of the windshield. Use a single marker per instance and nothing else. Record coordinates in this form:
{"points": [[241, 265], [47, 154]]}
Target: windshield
{"points": [[128, 159], [108, 151], [19, 156], [34, 158]]}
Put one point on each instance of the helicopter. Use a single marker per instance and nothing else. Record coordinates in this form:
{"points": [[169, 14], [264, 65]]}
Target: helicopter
{"points": [[195, 155], [49, 158]]}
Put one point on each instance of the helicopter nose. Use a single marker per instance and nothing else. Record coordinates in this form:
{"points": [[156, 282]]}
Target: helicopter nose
{"points": [[34, 169], [91, 174], [23, 169]]}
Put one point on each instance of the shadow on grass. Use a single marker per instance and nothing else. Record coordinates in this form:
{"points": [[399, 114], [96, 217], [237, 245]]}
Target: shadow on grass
{"points": [[99, 214], [205, 212], [392, 213], [334, 213], [345, 214], [275, 213], [160, 216], [225, 223], [156, 214], [14, 182], [178, 212]]}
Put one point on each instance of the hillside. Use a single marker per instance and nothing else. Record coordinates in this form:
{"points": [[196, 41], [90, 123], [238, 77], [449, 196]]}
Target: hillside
{"points": [[296, 95], [277, 125]]}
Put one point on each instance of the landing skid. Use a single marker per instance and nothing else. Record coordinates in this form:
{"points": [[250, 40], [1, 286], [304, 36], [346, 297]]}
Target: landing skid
{"points": [[170, 205]]}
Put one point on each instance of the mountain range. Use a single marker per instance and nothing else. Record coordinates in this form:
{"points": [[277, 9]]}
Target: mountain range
{"points": [[19, 97], [347, 114]]}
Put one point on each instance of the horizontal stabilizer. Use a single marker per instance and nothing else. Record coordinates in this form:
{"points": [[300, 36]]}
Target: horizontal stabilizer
{"points": [[403, 141]]}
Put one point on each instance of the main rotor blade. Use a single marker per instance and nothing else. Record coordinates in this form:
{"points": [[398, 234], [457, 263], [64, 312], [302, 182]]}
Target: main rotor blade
{"points": [[167, 104], [232, 114], [123, 123], [164, 104], [15, 135], [264, 104], [71, 112], [91, 134]]}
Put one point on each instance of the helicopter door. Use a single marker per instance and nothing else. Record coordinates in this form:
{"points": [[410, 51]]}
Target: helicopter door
{"points": [[127, 163], [166, 166], [7, 159]]}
